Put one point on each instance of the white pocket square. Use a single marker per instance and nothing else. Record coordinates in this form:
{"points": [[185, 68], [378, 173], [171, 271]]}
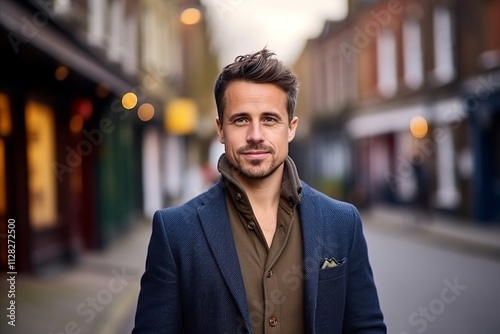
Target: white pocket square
{"points": [[331, 263]]}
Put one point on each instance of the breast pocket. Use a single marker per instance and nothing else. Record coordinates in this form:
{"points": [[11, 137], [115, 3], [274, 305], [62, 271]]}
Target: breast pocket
{"points": [[331, 298], [333, 272]]}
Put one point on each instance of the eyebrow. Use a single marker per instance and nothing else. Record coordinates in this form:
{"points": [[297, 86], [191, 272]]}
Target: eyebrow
{"points": [[264, 114]]}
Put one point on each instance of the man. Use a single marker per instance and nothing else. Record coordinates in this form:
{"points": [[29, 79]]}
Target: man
{"points": [[260, 252]]}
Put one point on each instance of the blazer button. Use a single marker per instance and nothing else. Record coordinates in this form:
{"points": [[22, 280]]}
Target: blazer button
{"points": [[251, 225], [238, 197], [273, 321]]}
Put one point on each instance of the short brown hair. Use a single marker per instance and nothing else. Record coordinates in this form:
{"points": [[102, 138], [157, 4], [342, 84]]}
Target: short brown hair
{"points": [[259, 67]]}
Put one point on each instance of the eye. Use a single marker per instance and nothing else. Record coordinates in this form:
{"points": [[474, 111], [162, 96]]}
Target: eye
{"points": [[269, 120], [240, 120]]}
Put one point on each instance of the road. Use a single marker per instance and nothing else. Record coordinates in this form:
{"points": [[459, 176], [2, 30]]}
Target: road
{"points": [[433, 287], [428, 284]]}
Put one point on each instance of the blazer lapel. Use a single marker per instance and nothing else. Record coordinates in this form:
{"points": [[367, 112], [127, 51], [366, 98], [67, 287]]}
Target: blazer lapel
{"points": [[311, 218], [215, 223]]}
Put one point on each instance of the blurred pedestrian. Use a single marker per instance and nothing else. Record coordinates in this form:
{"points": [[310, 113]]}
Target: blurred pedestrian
{"points": [[261, 251], [422, 195]]}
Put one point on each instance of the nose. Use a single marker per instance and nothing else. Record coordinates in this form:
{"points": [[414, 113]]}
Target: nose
{"points": [[255, 134]]}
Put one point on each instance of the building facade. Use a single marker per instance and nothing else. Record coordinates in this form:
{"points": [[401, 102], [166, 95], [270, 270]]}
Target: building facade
{"points": [[86, 144], [405, 86]]}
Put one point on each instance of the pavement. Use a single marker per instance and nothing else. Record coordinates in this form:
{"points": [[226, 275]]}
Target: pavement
{"points": [[440, 229], [99, 294]]}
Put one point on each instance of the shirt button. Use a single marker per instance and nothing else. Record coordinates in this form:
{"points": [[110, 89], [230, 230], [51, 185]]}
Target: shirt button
{"points": [[238, 197], [273, 321], [269, 274], [251, 225]]}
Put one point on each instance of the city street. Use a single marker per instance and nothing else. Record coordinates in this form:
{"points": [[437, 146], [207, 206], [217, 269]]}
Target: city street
{"points": [[427, 285]]}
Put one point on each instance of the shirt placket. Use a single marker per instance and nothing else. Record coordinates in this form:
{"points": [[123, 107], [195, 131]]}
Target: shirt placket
{"points": [[273, 294]]}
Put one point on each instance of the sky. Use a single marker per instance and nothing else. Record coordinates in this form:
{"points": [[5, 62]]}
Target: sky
{"points": [[244, 26]]}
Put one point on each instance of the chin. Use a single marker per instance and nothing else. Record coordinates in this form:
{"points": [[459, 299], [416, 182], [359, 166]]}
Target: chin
{"points": [[258, 171]]}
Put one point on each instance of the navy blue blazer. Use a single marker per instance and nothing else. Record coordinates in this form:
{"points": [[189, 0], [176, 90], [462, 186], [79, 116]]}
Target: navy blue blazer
{"points": [[193, 282]]}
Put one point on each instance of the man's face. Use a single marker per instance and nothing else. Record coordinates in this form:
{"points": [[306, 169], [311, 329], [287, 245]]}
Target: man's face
{"points": [[255, 128]]}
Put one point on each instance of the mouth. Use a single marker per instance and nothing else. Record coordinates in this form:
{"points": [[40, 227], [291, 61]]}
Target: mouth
{"points": [[255, 154]]}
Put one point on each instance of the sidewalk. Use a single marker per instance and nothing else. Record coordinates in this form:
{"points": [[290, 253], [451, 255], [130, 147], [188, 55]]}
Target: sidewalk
{"points": [[97, 296], [441, 228]]}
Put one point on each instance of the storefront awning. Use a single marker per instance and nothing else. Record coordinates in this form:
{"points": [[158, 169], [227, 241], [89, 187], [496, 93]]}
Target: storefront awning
{"points": [[378, 122], [19, 21]]}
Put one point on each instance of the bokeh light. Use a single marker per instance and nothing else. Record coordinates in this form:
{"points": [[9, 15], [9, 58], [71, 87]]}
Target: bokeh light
{"points": [[181, 116], [146, 112], [129, 100], [419, 127], [102, 90], [190, 16], [61, 73], [76, 123]]}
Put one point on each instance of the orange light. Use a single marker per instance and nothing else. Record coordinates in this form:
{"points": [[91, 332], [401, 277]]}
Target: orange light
{"points": [[190, 16], [146, 112], [419, 127], [102, 90], [129, 100], [76, 123], [61, 73]]}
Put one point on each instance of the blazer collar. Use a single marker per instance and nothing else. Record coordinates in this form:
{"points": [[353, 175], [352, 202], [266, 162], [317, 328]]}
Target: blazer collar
{"points": [[312, 238], [215, 223]]}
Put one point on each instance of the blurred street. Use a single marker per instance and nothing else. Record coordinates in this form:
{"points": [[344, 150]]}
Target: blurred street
{"points": [[412, 264], [107, 113]]}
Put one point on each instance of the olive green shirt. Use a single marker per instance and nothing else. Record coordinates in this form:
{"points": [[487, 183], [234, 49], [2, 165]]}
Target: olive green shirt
{"points": [[272, 276]]}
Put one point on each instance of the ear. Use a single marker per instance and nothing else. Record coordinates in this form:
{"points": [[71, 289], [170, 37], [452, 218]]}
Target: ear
{"points": [[292, 128], [220, 132]]}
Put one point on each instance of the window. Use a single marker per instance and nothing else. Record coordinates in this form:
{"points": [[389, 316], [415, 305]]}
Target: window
{"points": [[412, 53], [386, 59], [444, 70], [40, 142]]}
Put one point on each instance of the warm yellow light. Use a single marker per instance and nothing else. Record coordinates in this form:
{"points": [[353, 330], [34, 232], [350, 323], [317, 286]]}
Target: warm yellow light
{"points": [[41, 158], [190, 16], [129, 100], [419, 127], [61, 73], [181, 116], [146, 112]]}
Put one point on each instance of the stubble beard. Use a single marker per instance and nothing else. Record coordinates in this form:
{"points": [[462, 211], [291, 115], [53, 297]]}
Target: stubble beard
{"points": [[257, 169]]}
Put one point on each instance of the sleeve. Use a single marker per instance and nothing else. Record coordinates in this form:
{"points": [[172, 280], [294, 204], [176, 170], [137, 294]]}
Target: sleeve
{"points": [[159, 304], [362, 313]]}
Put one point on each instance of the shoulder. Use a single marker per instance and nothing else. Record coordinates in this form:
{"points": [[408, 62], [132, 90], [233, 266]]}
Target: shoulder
{"points": [[187, 211], [311, 196]]}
